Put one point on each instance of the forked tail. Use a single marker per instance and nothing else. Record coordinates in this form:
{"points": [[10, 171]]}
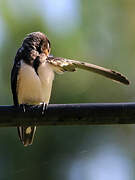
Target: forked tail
{"points": [[26, 134]]}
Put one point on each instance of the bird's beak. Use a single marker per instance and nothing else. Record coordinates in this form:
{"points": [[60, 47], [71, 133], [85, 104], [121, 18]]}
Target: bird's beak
{"points": [[46, 52]]}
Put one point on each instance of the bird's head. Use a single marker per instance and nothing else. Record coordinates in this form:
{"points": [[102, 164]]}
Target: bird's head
{"points": [[35, 44]]}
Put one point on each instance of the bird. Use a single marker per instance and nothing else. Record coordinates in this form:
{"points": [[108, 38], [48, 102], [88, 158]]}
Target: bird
{"points": [[33, 73]]}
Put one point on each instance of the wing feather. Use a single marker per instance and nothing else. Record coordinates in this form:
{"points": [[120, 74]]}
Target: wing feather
{"points": [[63, 65], [14, 74]]}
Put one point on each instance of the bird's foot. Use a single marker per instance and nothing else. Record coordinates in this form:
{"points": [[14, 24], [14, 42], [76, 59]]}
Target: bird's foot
{"points": [[39, 108], [44, 107], [26, 107], [23, 107]]}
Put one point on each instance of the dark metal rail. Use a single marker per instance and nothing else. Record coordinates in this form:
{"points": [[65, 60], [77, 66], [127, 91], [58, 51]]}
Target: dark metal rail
{"points": [[69, 114]]}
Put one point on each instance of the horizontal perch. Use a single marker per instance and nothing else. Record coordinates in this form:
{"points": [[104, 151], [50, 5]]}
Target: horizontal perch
{"points": [[69, 114]]}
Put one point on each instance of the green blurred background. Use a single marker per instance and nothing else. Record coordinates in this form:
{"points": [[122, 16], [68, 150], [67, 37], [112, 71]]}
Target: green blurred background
{"points": [[101, 32]]}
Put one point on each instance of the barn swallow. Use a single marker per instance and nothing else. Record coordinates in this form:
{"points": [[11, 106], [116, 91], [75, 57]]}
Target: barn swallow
{"points": [[33, 73]]}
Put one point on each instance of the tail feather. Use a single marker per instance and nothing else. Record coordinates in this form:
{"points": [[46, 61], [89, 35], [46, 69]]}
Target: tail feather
{"points": [[26, 134]]}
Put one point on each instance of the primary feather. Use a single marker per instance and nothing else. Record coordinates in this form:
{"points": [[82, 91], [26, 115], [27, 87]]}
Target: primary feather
{"points": [[63, 65]]}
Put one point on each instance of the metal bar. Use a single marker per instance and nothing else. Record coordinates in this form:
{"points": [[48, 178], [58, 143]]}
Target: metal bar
{"points": [[69, 114]]}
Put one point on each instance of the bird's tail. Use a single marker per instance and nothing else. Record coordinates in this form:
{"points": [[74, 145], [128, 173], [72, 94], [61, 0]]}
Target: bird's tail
{"points": [[26, 134]]}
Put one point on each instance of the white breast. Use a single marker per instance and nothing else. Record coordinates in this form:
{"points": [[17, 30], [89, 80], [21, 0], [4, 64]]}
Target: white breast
{"points": [[33, 88]]}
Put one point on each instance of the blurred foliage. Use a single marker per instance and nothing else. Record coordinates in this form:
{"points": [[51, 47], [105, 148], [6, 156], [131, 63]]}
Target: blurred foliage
{"points": [[104, 35]]}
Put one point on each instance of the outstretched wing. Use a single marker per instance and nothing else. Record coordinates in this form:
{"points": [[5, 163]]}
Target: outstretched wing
{"points": [[61, 65]]}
